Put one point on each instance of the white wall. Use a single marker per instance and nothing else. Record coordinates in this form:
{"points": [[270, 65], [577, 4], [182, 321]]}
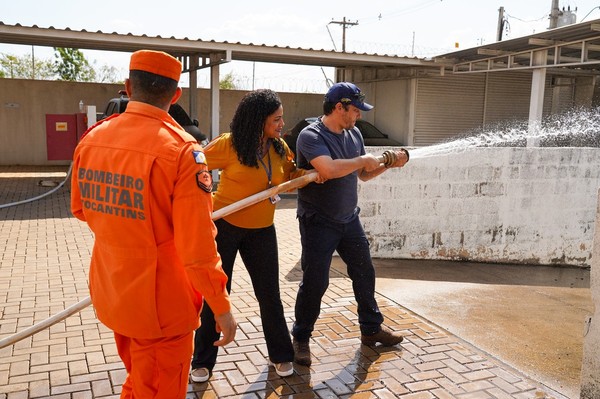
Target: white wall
{"points": [[501, 205], [590, 371]]}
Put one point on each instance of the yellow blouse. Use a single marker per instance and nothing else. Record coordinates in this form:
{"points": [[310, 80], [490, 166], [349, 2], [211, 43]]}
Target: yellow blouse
{"points": [[239, 181]]}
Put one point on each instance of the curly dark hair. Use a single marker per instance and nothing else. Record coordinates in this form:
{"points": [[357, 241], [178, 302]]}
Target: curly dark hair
{"points": [[248, 122]]}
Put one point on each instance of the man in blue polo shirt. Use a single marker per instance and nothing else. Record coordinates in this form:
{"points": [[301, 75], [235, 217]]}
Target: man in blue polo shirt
{"points": [[328, 217]]}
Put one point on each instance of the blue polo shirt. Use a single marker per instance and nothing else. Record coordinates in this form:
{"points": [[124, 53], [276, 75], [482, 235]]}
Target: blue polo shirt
{"points": [[336, 199]]}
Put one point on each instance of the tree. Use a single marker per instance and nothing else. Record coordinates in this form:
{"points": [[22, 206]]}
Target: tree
{"points": [[108, 74], [25, 67], [70, 64], [228, 82]]}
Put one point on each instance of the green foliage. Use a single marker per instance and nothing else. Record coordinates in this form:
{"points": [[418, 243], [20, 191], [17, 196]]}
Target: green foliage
{"points": [[228, 82], [71, 65], [108, 74], [25, 67]]}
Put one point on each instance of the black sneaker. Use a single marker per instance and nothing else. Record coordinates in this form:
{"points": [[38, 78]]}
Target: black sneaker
{"points": [[385, 337], [302, 353]]}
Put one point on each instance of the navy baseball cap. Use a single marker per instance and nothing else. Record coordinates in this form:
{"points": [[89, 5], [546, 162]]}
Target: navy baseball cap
{"points": [[347, 93]]}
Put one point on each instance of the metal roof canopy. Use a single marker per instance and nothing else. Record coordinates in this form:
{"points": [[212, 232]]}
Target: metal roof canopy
{"points": [[197, 54], [569, 49]]}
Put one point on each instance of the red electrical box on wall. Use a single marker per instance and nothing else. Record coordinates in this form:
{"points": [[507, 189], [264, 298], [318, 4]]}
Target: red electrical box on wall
{"points": [[63, 131]]}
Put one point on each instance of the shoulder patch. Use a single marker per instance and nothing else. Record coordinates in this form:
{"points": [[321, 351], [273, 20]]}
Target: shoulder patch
{"points": [[204, 180], [199, 157]]}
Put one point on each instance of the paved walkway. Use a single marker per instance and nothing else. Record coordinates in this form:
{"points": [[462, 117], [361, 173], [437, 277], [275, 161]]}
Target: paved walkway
{"points": [[44, 254]]}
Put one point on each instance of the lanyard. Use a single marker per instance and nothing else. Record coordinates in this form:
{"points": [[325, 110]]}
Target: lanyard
{"points": [[268, 170]]}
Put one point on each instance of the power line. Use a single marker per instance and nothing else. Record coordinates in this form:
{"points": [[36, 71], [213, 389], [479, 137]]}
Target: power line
{"points": [[588, 14], [393, 14], [527, 21]]}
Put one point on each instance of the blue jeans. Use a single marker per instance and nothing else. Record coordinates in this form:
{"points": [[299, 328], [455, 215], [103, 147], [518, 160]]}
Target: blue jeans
{"points": [[258, 249], [320, 238]]}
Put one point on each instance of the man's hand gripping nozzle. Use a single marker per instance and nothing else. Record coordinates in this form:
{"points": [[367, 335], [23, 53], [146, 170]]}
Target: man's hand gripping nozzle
{"points": [[390, 157]]}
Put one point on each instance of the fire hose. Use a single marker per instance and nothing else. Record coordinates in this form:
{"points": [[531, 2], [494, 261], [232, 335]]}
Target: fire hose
{"points": [[388, 158], [2, 206]]}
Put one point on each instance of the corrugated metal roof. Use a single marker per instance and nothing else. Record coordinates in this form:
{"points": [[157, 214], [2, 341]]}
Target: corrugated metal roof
{"points": [[52, 37], [569, 39]]}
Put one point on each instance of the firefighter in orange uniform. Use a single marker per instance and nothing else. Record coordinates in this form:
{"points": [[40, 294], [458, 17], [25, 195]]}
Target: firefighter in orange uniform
{"points": [[142, 185]]}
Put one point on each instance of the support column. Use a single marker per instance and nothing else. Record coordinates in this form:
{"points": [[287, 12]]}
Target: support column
{"points": [[193, 92], [214, 101], [214, 108], [536, 102], [412, 111], [590, 370]]}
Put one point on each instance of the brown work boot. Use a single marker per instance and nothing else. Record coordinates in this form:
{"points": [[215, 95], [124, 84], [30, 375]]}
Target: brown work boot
{"points": [[302, 353], [385, 337]]}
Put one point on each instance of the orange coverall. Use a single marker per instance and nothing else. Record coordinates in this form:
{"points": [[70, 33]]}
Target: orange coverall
{"points": [[141, 184]]}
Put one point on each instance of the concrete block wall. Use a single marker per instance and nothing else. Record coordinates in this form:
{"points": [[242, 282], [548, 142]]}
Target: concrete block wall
{"points": [[590, 370], [501, 205]]}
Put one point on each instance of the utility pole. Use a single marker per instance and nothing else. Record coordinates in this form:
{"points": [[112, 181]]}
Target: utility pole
{"points": [[554, 14], [500, 24], [32, 63], [344, 24]]}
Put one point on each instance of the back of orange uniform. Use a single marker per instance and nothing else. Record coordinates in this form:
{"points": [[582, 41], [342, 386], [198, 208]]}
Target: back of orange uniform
{"points": [[143, 187]]}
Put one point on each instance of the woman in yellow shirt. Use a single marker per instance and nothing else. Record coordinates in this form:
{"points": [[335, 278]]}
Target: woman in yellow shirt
{"points": [[251, 158]]}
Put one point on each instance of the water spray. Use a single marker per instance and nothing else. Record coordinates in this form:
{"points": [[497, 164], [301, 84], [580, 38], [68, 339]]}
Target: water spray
{"points": [[577, 129]]}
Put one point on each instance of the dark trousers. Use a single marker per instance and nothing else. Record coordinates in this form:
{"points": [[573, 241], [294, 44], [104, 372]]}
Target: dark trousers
{"points": [[320, 238], [258, 249]]}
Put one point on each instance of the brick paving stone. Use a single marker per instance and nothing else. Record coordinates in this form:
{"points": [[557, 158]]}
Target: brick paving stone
{"points": [[31, 377], [44, 258], [91, 377], [429, 365], [418, 395], [39, 388], [425, 385], [222, 388], [426, 375], [84, 386], [82, 395], [475, 395], [476, 386], [442, 394], [11, 388], [18, 395], [449, 386], [498, 393]]}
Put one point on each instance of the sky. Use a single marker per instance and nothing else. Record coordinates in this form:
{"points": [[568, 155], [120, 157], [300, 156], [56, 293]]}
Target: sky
{"points": [[412, 28]]}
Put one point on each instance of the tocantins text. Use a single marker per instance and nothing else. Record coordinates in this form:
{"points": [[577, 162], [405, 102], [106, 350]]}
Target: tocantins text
{"points": [[112, 193]]}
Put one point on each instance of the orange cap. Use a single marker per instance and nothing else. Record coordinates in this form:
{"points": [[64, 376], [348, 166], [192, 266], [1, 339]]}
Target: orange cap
{"points": [[156, 62]]}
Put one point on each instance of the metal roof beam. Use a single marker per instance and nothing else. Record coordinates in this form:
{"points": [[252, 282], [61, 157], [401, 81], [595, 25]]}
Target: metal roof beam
{"points": [[580, 53]]}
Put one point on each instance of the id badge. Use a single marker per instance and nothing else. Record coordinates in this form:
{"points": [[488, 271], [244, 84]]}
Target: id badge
{"points": [[275, 199]]}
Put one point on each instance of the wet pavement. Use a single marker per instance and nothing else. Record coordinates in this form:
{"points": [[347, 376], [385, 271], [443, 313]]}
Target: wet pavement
{"points": [[530, 317], [471, 331]]}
